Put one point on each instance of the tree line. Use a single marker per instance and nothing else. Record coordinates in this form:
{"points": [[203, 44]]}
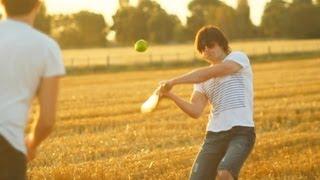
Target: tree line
{"points": [[148, 20]]}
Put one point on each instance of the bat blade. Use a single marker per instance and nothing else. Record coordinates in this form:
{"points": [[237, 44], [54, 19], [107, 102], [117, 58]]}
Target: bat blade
{"points": [[151, 103]]}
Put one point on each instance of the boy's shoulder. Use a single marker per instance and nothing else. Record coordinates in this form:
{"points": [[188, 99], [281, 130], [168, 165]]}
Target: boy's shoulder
{"points": [[45, 39]]}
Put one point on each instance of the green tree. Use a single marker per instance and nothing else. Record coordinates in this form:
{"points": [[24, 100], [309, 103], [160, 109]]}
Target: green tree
{"points": [[297, 2], [201, 4], [304, 17], [199, 12], [195, 22], [129, 25], [225, 18], [181, 33], [161, 26], [148, 21], [65, 30], [82, 29], [299, 19], [245, 28], [92, 28], [212, 12], [275, 19], [43, 21]]}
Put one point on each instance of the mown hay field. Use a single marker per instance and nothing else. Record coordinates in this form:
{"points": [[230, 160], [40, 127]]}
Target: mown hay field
{"points": [[100, 133], [179, 52]]}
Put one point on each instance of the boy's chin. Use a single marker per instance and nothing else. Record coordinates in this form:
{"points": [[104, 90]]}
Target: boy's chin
{"points": [[211, 59]]}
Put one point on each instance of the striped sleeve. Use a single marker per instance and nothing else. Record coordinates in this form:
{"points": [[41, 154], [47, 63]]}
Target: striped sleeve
{"points": [[198, 88]]}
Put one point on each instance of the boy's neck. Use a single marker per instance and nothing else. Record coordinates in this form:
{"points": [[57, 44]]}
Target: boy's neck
{"points": [[28, 19]]}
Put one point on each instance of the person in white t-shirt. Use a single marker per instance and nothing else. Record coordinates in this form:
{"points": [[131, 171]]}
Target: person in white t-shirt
{"points": [[30, 66], [227, 85]]}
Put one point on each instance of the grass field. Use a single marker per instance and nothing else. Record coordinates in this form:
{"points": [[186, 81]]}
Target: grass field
{"points": [[182, 52], [100, 133]]}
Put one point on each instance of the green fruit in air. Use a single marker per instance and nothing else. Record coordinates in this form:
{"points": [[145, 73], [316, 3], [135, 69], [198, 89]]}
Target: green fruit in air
{"points": [[141, 45]]}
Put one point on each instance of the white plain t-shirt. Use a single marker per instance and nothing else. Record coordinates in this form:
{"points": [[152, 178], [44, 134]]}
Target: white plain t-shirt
{"points": [[231, 96], [26, 56]]}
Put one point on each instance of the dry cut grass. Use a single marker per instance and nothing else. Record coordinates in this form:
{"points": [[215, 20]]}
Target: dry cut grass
{"points": [[100, 133]]}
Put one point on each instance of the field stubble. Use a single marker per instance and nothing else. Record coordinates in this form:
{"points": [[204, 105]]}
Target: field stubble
{"points": [[100, 133]]}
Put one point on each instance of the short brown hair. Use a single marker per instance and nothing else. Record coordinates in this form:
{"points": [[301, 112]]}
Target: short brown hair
{"points": [[210, 35], [18, 7]]}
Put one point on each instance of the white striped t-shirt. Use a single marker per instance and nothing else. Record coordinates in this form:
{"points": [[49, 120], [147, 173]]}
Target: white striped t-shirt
{"points": [[231, 96]]}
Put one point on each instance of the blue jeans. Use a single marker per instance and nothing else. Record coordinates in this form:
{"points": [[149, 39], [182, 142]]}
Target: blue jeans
{"points": [[12, 162], [225, 150]]}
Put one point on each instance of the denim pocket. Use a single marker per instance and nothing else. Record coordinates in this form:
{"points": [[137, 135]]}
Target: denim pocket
{"points": [[248, 132]]}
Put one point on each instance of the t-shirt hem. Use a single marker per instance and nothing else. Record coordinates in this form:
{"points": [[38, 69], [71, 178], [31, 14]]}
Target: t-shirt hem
{"points": [[228, 128], [23, 151], [54, 75]]}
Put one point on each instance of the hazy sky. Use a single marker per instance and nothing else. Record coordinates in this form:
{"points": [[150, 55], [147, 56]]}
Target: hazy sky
{"points": [[109, 7]]}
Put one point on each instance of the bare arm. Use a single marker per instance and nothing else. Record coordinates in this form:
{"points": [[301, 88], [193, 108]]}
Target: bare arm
{"points": [[194, 108], [47, 95], [203, 74]]}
